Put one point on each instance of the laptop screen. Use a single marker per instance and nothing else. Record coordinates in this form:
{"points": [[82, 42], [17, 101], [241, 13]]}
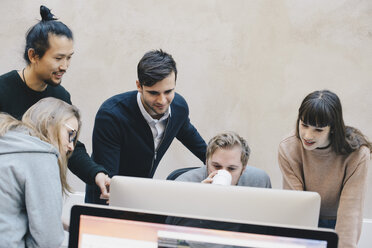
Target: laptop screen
{"points": [[104, 227]]}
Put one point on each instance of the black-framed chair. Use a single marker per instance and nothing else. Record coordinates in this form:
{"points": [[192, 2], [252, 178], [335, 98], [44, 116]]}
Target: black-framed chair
{"points": [[176, 173]]}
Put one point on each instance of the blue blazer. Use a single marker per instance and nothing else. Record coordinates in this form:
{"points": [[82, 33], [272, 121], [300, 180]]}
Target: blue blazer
{"points": [[123, 141]]}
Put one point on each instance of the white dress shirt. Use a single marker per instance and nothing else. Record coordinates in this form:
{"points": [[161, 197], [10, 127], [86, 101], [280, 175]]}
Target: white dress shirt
{"points": [[157, 126]]}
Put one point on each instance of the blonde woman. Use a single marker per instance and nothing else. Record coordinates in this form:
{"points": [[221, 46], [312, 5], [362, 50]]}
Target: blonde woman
{"points": [[33, 165]]}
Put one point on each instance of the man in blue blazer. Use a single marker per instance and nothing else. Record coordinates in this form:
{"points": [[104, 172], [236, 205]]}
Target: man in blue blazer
{"points": [[133, 130]]}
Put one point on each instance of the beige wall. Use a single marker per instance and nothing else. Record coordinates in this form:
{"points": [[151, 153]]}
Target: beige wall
{"points": [[243, 65]]}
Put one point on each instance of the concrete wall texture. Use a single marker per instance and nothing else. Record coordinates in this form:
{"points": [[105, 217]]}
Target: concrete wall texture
{"points": [[243, 65]]}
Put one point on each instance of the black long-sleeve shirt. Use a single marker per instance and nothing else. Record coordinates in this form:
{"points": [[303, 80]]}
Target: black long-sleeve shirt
{"points": [[16, 97]]}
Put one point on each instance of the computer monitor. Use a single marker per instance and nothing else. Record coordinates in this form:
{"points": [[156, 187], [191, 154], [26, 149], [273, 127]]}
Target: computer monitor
{"points": [[92, 226], [243, 204]]}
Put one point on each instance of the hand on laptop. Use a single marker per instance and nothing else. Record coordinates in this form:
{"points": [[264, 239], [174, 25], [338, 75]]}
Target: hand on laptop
{"points": [[103, 182]]}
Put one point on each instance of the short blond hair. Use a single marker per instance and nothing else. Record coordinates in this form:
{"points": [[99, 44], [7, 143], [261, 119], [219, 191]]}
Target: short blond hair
{"points": [[228, 140]]}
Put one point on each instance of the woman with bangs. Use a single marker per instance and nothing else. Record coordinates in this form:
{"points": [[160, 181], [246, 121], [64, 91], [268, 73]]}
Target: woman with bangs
{"points": [[33, 166], [327, 157]]}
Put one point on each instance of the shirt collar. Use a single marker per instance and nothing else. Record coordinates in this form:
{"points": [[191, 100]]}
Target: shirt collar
{"points": [[146, 115]]}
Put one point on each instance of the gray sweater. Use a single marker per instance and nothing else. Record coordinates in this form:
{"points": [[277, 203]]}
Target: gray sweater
{"points": [[30, 192], [252, 177]]}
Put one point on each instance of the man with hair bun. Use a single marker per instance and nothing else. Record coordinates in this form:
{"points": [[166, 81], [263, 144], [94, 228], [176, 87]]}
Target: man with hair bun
{"points": [[133, 130], [48, 52]]}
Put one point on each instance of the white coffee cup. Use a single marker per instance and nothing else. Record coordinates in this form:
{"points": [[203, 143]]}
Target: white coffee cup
{"points": [[223, 177]]}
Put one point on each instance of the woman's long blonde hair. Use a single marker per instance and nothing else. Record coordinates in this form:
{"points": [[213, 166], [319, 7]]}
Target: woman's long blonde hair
{"points": [[45, 119]]}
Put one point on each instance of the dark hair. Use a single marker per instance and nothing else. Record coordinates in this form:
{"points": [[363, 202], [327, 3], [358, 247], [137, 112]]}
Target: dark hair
{"points": [[37, 36], [323, 108], [154, 67]]}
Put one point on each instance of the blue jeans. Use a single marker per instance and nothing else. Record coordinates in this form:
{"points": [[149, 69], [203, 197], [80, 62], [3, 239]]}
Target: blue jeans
{"points": [[327, 223]]}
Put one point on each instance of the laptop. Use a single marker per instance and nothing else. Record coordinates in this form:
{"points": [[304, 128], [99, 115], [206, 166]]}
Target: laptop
{"points": [[102, 226], [248, 204]]}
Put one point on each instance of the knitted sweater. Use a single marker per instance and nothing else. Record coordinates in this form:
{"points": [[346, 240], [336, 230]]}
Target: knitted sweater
{"points": [[339, 179], [124, 144]]}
